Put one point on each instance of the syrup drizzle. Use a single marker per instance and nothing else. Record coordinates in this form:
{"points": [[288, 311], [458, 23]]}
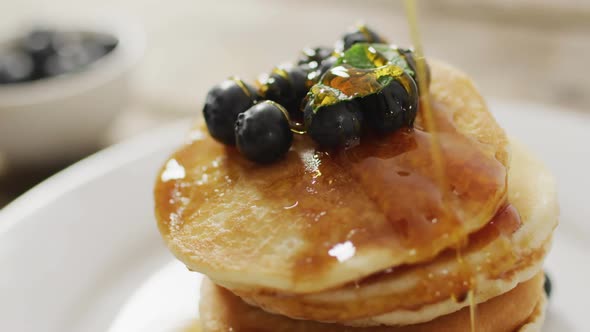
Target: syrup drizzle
{"points": [[421, 74], [242, 86], [430, 126], [472, 308]]}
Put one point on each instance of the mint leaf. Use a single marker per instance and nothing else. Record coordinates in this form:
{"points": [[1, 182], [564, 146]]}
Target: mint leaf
{"points": [[366, 56], [356, 56], [364, 69]]}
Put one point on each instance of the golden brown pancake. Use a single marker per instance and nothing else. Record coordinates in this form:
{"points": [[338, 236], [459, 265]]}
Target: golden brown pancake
{"points": [[508, 250], [318, 220], [521, 307], [368, 238]]}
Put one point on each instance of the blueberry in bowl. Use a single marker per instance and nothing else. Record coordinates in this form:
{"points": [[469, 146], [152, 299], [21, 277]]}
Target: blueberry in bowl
{"points": [[43, 53], [15, 66], [61, 85]]}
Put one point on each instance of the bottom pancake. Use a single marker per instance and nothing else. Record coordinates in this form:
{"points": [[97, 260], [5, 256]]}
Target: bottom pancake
{"points": [[521, 309]]}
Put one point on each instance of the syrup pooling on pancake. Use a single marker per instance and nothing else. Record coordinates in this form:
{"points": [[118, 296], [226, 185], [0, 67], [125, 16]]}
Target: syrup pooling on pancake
{"points": [[378, 197], [453, 283], [508, 250], [396, 173], [424, 284]]}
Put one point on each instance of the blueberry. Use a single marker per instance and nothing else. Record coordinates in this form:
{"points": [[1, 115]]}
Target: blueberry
{"points": [[547, 285], [338, 124], [74, 51], [223, 104], [69, 58], [263, 134], [411, 60], [38, 42], [393, 107], [314, 56], [39, 45], [362, 34], [15, 66], [287, 86]]}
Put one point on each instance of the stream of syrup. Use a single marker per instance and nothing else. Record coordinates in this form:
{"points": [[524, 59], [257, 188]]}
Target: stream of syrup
{"points": [[421, 74], [431, 126]]}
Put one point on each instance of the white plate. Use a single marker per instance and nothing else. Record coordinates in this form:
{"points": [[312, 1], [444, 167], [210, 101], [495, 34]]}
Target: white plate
{"points": [[81, 252]]}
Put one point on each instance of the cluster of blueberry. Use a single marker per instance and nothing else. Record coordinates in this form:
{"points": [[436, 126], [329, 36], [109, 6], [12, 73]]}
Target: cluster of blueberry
{"points": [[44, 53], [332, 94]]}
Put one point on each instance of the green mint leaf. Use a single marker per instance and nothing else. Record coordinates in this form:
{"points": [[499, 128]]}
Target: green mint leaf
{"points": [[365, 56], [356, 56]]}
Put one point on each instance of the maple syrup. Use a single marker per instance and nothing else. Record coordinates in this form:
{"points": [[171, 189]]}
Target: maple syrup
{"points": [[422, 75], [346, 82], [381, 193], [430, 125]]}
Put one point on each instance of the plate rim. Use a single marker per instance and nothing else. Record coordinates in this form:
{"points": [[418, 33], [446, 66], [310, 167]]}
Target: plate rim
{"points": [[91, 167]]}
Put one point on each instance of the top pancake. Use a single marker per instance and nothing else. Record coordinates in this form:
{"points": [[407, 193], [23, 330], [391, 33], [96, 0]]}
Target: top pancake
{"points": [[319, 219]]}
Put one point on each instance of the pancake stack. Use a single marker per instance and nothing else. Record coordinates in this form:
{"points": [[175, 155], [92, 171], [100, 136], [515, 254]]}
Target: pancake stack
{"points": [[368, 238]]}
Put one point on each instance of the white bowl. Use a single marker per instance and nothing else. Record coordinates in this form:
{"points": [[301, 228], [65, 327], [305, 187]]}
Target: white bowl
{"points": [[64, 117]]}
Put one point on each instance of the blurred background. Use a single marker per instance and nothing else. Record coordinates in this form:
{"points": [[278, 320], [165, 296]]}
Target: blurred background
{"points": [[167, 54]]}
